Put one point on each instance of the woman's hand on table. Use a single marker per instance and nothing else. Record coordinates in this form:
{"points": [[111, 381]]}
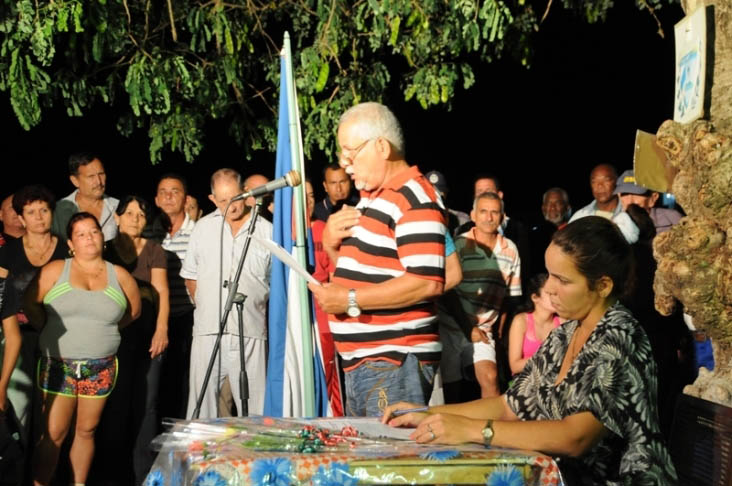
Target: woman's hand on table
{"points": [[411, 419], [446, 428]]}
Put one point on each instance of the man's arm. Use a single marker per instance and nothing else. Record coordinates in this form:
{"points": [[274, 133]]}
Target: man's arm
{"points": [[393, 294], [11, 333], [191, 286], [132, 293], [453, 271]]}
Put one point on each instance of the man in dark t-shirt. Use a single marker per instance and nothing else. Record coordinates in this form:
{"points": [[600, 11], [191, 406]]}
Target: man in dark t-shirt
{"points": [[337, 186]]}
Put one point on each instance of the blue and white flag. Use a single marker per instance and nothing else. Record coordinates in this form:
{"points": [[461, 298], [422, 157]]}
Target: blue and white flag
{"points": [[295, 380]]}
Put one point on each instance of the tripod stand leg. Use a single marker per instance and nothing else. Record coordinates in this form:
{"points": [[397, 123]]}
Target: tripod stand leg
{"points": [[243, 378]]}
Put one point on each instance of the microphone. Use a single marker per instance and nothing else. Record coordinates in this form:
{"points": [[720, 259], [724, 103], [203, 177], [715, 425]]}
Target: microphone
{"points": [[290, 179]]}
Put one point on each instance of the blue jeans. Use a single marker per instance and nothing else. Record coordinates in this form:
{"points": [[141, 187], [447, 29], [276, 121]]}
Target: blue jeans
{"points": [[374, 385]]}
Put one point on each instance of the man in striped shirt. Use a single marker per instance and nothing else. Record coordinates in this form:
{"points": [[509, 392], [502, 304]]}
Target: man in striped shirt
{"points": [[173, 230], [390, 254], [491, 275]]}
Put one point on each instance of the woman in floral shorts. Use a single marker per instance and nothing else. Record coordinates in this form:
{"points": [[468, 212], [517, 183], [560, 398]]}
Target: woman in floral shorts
{"points": [[79, 304], [88, 378]]}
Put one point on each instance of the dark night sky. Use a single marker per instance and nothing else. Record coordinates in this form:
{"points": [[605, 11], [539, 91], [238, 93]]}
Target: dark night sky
{"points": [[589, 88]]}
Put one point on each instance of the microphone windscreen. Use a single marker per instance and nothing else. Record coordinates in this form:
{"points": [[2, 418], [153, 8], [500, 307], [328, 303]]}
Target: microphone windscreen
{"points": [[293, 178]]}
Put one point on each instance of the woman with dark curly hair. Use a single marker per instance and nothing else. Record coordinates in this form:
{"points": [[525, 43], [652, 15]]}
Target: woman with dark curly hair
{"points": [[588, 395], [20, 261]]}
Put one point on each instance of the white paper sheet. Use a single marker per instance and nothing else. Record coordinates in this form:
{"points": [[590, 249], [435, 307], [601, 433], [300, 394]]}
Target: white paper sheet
{"points": [[370, 427], [286, 258]]}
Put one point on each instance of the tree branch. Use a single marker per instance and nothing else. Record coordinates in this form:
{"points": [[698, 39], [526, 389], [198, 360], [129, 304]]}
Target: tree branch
{"points": [[655, 17], [546, 11], [172, 21], [260, 94], [129, 30]]}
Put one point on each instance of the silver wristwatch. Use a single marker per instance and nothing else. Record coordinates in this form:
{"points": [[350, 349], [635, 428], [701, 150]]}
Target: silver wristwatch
{"points": [[353, 310], [487, 433]]}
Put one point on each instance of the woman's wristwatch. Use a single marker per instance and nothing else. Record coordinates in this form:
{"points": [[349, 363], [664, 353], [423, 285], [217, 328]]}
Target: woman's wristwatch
{"points": [[487, 433]]}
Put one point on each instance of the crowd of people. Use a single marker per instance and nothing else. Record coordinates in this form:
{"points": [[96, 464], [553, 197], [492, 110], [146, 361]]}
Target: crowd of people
{"points": [[111, 310]]}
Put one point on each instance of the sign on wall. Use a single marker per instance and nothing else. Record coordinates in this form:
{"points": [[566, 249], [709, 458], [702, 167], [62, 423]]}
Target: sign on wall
{"points": [[691, 48]]}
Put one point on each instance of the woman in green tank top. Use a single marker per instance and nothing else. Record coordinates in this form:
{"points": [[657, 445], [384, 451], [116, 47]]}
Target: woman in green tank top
{"points": [[79, 305]]}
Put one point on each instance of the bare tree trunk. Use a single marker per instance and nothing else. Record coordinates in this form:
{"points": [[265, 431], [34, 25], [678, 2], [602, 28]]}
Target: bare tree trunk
{"points": [[695, 257]]}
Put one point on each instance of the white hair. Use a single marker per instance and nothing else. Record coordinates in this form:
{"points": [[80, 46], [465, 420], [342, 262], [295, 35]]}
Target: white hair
{"points": [[375, 120], [560, 191]]}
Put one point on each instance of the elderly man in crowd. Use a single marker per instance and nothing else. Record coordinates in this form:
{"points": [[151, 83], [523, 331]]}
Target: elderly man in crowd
{"points": [[631, 193], [555, 211], [390, 254], [87, 174], [12, 226], [337, 187], [201, 271], [606, 203], [555, 207]]}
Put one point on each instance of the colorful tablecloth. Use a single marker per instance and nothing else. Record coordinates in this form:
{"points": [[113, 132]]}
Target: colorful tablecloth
{"points": [[283, 452]]}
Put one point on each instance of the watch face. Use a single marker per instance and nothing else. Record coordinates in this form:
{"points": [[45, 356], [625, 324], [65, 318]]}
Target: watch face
{"points": [[353, 311], [488, 434]]}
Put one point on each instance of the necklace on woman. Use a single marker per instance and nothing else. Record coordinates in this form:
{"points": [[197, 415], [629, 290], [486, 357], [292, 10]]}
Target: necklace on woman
{"points": [[574, 351], [34, 250], [93, 273]]}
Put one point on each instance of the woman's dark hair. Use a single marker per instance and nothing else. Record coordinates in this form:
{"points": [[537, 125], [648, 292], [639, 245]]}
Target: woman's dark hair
{"points": [[598, 249], [80, 217], [122, 206], [533, 287], [29, 194], [641, 218]]}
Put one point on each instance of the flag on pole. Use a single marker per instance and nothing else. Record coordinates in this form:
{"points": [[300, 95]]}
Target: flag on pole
{"points": [[294, 370]]}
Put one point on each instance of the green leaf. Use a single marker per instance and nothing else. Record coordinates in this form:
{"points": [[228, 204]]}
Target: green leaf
{"points": [[322, 77], [76, 13], [395, 22]]}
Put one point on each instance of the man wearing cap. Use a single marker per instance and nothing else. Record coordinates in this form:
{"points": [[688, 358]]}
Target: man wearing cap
{"points": [[631, 193], [337, 187], [606, 203], [455, 218], [390, 263]]}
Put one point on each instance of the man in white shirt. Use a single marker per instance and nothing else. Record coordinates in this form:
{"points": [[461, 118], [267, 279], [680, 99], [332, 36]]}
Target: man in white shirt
{"points": [[202, 274]]}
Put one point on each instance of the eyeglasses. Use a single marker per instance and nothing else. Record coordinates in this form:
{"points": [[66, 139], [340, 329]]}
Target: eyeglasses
{"points": [[346, 160]]}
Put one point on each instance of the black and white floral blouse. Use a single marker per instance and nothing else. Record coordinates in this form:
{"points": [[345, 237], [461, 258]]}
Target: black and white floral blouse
{"points": [[614, 378]]}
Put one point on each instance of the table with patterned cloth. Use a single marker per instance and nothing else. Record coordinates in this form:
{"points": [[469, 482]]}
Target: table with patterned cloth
{"points": [[262, 451]]}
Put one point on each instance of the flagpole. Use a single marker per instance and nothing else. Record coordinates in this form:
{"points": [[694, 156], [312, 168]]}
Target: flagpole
{"points": [[300, 252]]}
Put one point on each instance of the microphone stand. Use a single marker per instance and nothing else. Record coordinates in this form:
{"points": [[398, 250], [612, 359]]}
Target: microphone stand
{"points": [[233, 298]]}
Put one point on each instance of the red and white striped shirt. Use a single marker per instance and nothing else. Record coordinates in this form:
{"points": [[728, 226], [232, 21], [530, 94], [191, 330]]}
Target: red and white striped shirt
{"points": [[401, 231]]}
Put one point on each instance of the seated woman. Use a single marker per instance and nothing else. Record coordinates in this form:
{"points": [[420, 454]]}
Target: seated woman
{"points": [[589, 393], [531, 327], [79, 304]]}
